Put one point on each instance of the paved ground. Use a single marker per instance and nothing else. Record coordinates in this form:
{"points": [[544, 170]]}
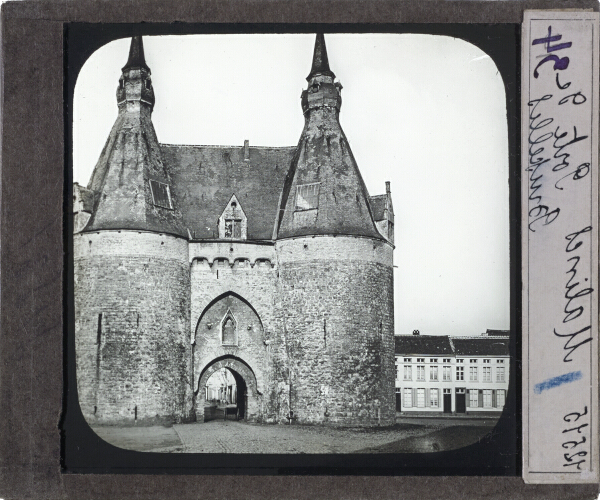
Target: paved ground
{"points": [[218, 436]]}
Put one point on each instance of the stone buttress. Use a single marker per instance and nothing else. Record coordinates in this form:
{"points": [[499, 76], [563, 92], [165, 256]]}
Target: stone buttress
{"points": [[336, 281]]}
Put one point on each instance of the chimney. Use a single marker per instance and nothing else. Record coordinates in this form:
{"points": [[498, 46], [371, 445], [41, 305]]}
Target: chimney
{"points": [[387, 187], [246, 150]]}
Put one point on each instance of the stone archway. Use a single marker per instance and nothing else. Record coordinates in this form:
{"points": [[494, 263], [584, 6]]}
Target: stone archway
{"points": [[230, 334], [248, 395]]}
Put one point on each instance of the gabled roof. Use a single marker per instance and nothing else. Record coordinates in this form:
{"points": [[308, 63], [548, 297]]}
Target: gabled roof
{"points": [[378, 206], [481, 346], [428, 345], [206, 177], [84, 196]]}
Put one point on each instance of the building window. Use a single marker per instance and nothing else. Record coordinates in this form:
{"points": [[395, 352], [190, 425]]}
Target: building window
{"points": [[460, 373], [499, 361], [420, 360], [500, 398], [473, 398], [408, 398], [397, 372], [487, 373], [407, 360], [499, 374], [307, 197], [233, 228], [473, 374], [460, 360], [433, 373], [420, 398], [488, 361], [447, 360], [407, 372], [433, 360], [161, 196], [420, 372], [487, 398], [472, 361], [447, 373], [228, 330], [434, 398]]}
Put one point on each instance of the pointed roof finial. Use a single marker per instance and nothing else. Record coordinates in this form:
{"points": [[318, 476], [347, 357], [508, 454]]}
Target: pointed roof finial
{"points": [[136, 55], [320, 64]]}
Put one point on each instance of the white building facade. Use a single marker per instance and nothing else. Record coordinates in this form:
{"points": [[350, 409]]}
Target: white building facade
{"points": [[452, 375]]}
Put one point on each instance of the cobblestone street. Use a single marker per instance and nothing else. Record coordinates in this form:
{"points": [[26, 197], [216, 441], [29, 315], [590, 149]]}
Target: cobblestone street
{"points": [[230, 436]]}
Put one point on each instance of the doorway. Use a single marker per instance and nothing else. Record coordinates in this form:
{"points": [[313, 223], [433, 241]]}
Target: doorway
{"points": [[461, 406], [227, 388], [226, 396], [447, 401]]}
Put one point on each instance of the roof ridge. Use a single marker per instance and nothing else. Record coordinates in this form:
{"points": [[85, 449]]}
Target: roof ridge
{"points": [[222, 146]]}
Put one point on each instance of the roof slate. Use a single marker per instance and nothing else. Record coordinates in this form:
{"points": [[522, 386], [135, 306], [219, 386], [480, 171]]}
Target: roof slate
{"points": [[378, 206], [205, 178], [481, 346], [423, 344]]}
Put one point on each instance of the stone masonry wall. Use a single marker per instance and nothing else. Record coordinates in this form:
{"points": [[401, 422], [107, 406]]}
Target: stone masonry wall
{"points": [[132, 327], [230, 270], [337, 305], [247, 345]]}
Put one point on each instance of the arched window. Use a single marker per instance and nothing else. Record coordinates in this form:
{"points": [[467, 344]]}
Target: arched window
{"points": [[228, 330]]}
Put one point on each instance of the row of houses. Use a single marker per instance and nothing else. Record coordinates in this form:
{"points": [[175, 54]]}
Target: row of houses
{"points": [[453, 375]]}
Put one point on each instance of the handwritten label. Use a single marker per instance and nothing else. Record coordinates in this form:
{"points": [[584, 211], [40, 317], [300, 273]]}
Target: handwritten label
{"points": [[560, 242]]}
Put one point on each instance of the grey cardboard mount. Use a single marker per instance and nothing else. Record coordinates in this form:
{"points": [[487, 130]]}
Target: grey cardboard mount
{"points": [[32, 244]]}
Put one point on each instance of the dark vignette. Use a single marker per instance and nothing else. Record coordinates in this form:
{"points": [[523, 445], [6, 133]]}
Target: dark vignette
{"points": [[499, 454]]}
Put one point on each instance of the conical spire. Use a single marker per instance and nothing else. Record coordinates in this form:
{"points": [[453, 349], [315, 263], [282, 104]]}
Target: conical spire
{"points": [[324, 193], [136, 55], [320, 64], [131, 183]]}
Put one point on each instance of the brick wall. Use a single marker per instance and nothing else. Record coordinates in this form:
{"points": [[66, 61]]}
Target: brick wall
{"points": [[337, 305], [133, 361]]}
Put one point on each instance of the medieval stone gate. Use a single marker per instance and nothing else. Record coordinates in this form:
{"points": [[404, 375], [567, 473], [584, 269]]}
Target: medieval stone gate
{"points": [[229, 335]]}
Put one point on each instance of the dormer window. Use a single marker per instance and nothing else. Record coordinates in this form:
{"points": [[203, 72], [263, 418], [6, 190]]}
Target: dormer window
{"points": [[233, 228], [307, 197], [161, 195], [232, 222]]}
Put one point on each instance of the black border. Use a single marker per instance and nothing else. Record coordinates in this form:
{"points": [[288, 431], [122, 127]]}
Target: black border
{"points": [[83, 451]]}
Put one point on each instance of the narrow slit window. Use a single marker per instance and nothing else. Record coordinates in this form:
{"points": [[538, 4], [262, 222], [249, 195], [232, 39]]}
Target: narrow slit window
{"points": [[99, 332], [307, 197], [161, 195]]}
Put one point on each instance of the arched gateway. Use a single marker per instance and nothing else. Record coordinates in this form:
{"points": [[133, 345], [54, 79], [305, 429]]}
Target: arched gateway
{"points": [[230, 335], [247, 394]]}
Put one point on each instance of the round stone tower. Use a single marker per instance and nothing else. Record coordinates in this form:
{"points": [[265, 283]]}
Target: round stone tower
{"points": [[335, 274], [132, 274]]}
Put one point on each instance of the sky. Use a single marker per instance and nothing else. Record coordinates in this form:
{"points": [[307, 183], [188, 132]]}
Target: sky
{"points": [[425, 112]]}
